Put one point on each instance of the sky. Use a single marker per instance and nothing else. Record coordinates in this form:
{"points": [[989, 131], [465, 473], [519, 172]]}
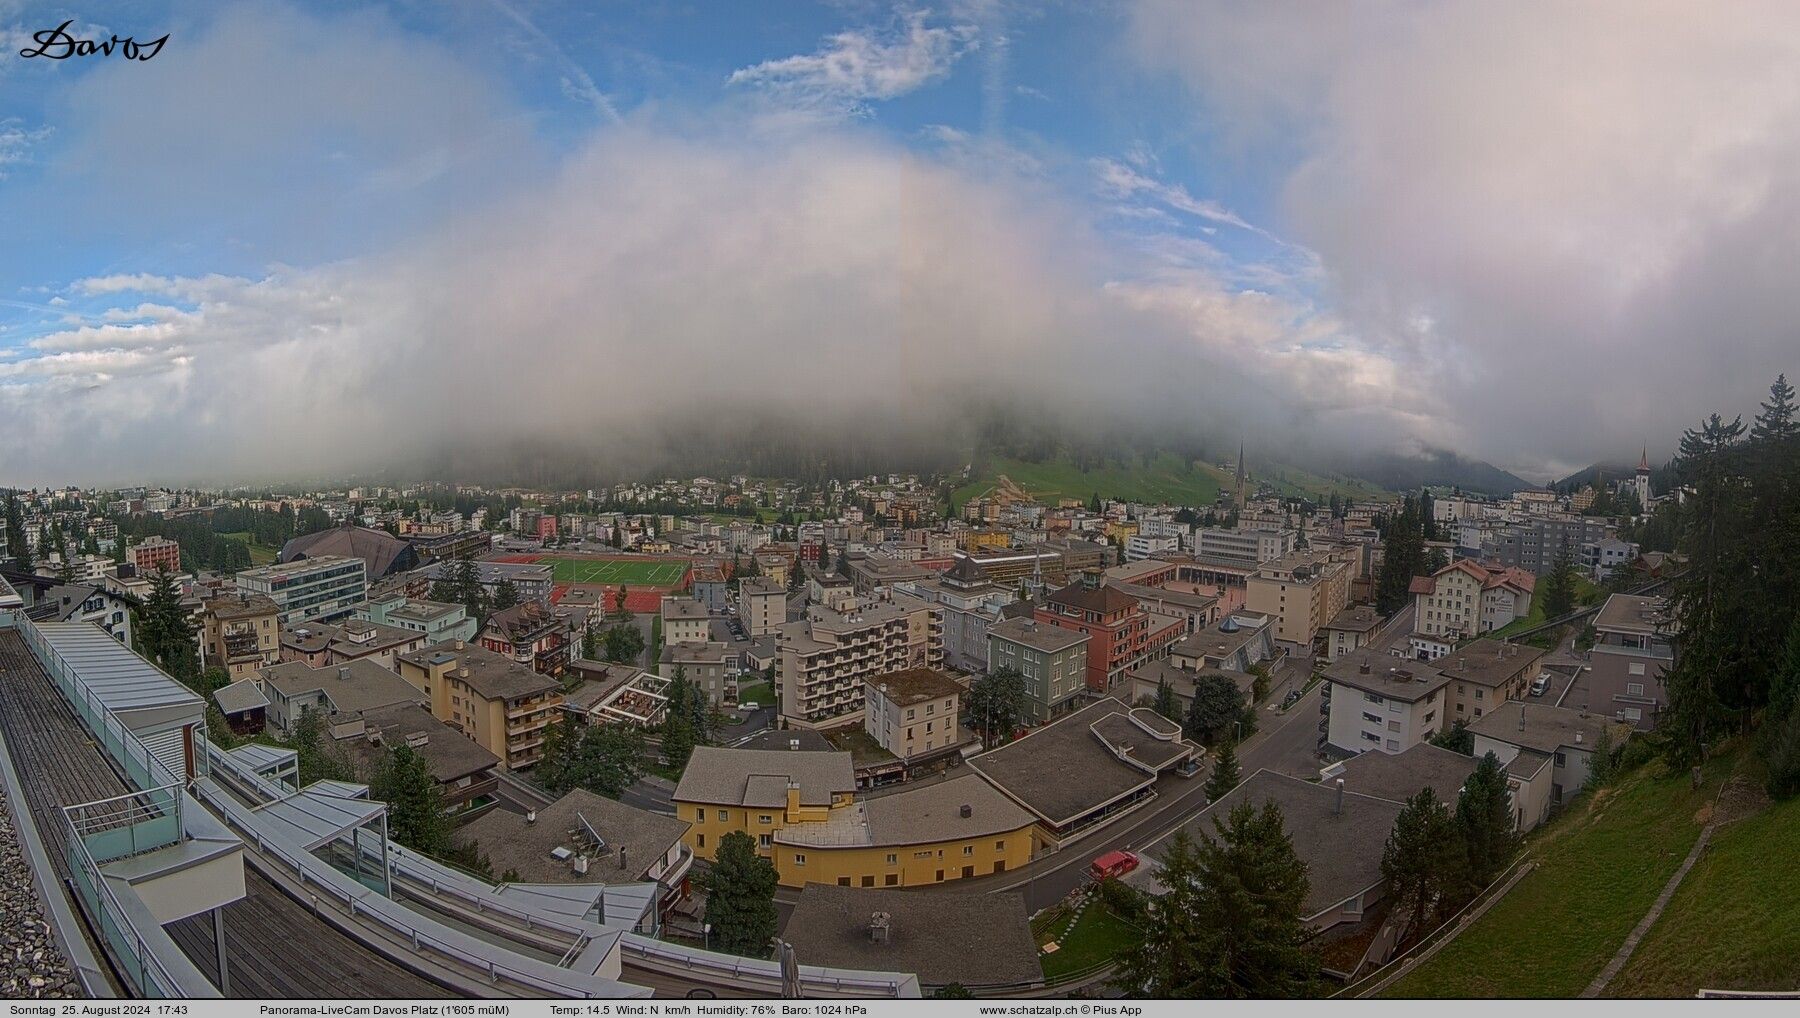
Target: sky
{"points": [[334, 237]]}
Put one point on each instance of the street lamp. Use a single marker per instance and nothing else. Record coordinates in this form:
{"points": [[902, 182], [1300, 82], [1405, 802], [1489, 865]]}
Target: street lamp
{"points": [[706, 928]]}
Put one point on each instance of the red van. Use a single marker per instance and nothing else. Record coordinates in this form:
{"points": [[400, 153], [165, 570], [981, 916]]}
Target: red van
{"points": [[1113, 864]]}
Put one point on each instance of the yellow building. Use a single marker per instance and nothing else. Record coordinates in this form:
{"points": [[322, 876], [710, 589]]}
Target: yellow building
{"points": [[1303, 591], [759, 792], [927, 834], [501, 704], [800, 809], [987, 540], [1121, 530]]}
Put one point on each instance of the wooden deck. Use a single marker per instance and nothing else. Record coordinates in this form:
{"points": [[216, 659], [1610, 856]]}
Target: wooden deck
{"points": [[275, 947]]}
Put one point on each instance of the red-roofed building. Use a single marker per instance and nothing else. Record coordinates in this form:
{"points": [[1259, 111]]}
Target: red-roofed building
{"points": [[1121, 633], [1467, 598]]}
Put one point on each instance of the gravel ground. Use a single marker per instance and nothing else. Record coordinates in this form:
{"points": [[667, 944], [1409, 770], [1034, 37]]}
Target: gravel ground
{"points": [[31, 965]]}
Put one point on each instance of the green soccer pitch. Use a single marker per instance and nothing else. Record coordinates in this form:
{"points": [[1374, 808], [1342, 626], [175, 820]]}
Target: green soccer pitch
{"points": [[616, 571]]}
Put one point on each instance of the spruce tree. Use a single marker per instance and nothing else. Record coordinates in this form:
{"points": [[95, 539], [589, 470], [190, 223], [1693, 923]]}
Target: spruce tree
{"points": [[740, 897], [1484, 818], [415, 801], [1225, 773], [1423, 860], [1166, 703], [1229, 923]]}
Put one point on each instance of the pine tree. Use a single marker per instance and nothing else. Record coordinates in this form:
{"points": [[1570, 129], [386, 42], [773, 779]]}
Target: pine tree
{"points": [[415, 801], [997, 703], [1402, 558], [506, 595], [1423, 860], [740, 897], [1225, 773], [1217, 711], [678, 735], [1484, 818]]}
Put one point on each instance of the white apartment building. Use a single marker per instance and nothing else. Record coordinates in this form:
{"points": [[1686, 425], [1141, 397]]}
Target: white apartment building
{"points": [[320, 589], [1250, 545], [1140, 546], [1381, 703], [1465, 599], [823, 660]]}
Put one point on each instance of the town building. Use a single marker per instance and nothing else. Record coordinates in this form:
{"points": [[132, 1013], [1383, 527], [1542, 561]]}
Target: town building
{"points": [[919, 836], [1052, 660], [684, 620], [541, 637], [709, 664], [971, 603], [1235, 643], [1466, 598], [1487, 673], [587, 838], [382, 553], [1121, 634], [1087, 767], [1350, 629], [913, 715], [1303, 591], [310, 590], [155, 555], [241, 634], [530, 582], [1547, 753], [463, 770], [1248, 546], [81, 603], [1379, 702], [318, 645], [437, 620], [1337, 833], [824, 659], [762, 605], [759, 792], [975, 941], [1632, 653], [501, 704], [341, 694]]}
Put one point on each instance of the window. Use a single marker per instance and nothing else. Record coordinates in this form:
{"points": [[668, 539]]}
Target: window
{"points": [[1372, 737], [764, 840], [699, 841], [799, 859], [1393, 726], [1372, 718], [1634, 689], [1636, 668], [910, 713], [843, 881], [1479, 694], [999, 846], [893, 880], [968, 850], [940, 875], [1561, 760], [868, 881], [1372, 698], [892, 859], [1393, 746], [724, 815], [1632, 714], [764, 818], [1430, 717]]}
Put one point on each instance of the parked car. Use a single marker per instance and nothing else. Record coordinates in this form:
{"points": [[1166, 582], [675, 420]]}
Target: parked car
{"points": [[1113, 864], [1540, 686], [1289, 700]]}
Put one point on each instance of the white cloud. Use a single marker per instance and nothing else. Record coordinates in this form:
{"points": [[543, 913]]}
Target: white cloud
{"points": [[1594, 204], [858, 66], [1117, 181]]}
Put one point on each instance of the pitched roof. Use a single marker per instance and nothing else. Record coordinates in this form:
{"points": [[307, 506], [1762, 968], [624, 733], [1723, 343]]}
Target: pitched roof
{"points": [[1104, 600], [1399, 776], [759, 777], [915, 685], [1540, 726]]}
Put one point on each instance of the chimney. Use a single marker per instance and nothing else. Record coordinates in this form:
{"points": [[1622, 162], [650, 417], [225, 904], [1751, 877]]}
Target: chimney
{"points": [[1339, 807], [794, 744], [1462, 664], [1363, 669], [530, 817], [1577, 738], [343, 673], [880, 924], [581, 865], [621, 856], [967, 811]]}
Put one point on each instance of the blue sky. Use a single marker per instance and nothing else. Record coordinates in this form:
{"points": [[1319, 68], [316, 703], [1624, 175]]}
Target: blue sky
{"points": [[1327, 229]]}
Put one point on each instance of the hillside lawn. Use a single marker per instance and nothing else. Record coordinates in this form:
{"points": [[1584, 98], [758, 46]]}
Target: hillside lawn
{"points": [[1162, 478], [1734, 923], [1601, 865]]}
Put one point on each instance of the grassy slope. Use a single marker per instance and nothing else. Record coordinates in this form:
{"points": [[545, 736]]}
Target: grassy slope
{"points": [[1098, 936], [1602, 864], [1165, 478], [1735, 921]]}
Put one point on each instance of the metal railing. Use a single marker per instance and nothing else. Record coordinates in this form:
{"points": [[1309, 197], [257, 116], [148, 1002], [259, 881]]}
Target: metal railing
{"points": [[129, 824], [138, 964]]}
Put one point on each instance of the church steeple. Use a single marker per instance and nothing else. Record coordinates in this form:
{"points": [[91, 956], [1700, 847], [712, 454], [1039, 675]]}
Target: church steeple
{"points": [[1644, 461]]}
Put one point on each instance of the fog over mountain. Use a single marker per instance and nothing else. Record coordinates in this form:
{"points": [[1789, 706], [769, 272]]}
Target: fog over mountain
{"points": [[319, 243]]}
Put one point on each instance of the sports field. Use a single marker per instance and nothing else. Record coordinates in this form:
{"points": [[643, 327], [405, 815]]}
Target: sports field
{"points": [[611, 572]]}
